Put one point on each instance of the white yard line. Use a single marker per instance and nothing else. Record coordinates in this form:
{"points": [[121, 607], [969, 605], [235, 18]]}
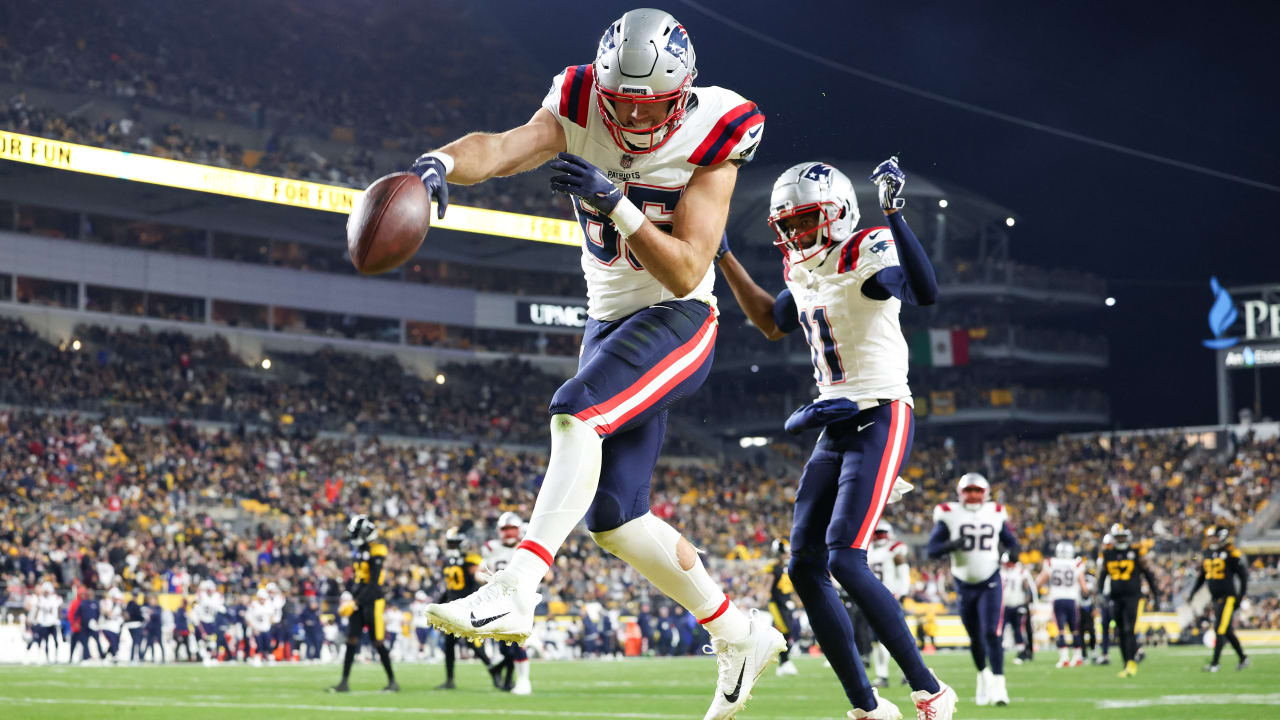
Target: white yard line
{"points": [[1215, 699]]}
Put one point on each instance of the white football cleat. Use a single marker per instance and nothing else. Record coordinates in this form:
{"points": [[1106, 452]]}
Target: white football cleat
{"points": [[740, 664], [787, 668], [885, 710], [982, 696], [997, 691], [523, 687], [497, 610], [935, 706]]}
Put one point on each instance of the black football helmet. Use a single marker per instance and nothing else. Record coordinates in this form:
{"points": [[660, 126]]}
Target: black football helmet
{"points": [[1216, 536], [361, 529], [781, 547], [453, 539]]}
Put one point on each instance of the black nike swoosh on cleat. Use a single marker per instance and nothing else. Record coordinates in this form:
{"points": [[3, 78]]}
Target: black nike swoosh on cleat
{"points": [[733, 696], [485, 621]]}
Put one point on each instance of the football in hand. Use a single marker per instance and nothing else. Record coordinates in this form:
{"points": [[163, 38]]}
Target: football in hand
{"points": [[387, 226]]}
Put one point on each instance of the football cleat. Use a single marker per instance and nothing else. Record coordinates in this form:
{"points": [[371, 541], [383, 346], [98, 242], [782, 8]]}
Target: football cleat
{"points": [[1211, 667], [1244, 663], [392, 687], [340, 688], [935, 706], [997, 691], [497, 610], [1062, 662], [1130, 669], [885, 710], [446, 685], [1077, 661], [523, 687], [982, 693], [740, 664], [881, 682], [787, 668]]}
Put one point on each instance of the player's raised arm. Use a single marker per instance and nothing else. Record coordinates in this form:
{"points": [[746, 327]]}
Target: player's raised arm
{"points": [[774, 317], [479, 156], [913, 279]]}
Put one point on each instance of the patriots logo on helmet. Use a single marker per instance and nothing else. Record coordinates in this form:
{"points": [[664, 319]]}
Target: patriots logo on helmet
{"points": [[607, 41], [677, 44], [818, 173]]}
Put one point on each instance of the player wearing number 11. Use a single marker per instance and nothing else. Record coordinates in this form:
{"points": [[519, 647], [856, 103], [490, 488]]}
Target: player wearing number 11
{"points": [[845, 287], [649, 162]]}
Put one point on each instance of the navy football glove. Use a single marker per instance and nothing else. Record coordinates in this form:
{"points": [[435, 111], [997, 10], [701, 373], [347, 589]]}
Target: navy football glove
{"points": [[432, 171], [585, 181], [890, 178]]}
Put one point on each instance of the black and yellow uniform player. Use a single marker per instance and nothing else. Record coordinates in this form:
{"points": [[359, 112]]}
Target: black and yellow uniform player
{"points": [[1120, 576], [370, 556], [460, 581], [1221, 566], [781, 592]]}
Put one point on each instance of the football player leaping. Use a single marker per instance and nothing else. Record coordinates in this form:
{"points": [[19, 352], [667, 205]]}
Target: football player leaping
{"points": [[844, 290], [650, 162], [1064, 572], [971, 532]]}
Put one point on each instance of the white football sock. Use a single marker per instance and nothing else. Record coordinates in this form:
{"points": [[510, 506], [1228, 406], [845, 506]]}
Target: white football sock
{"points": [[573, 474], [522, 671], [880, 660], [649, 545]]}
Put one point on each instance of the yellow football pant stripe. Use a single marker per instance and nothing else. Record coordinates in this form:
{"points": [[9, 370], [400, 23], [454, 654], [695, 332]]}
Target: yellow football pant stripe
{"points": [[379, 631], [1227, 608], [778, 622]]}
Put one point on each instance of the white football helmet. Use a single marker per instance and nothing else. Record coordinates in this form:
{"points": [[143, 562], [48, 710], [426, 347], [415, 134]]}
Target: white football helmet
{"points": [[207, 586], [644, 57], [1064, 550], [973, 480], [811, 187], [509, 527], [262, 594], [883, 533], [46, 587], [420, 596]]}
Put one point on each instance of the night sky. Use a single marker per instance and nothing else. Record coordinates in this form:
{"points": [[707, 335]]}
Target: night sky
{"points": [[1195, 82]]}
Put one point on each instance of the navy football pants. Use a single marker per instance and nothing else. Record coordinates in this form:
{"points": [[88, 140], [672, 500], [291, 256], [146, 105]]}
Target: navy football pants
{"points": [[630, 372], [982, 612], [842, 494]]}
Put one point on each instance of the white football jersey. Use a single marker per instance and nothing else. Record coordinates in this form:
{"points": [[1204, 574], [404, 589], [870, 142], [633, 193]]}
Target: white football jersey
{"points": [[112, 616], [855, 342], [208, 605], [47, 610], [418, 611], [1064, 578], [1017, 586], [259, 616], [496, 555], [882, 558], [393, 620], [979, 530], [718, 125]]}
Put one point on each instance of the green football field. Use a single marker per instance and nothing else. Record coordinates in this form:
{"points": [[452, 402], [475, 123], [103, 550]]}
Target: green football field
{"points": [[1169, 684]]}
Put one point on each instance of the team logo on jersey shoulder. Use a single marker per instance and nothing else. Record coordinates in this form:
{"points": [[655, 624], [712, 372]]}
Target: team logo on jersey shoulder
{"points": [[880, 247]]}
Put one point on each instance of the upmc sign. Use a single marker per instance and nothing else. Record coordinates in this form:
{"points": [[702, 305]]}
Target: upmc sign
{"points": [[550, 315], [1261, 317]]}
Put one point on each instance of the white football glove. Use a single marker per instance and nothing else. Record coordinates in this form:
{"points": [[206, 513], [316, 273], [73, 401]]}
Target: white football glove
{"points": [[900, 487], [483, 573]]}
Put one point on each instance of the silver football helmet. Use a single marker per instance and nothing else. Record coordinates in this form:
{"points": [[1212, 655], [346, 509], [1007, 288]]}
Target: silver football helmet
{"points": [[883, 533], [509, 527], [811, 187], [644, 57], [1064, 550], [973, 480]]}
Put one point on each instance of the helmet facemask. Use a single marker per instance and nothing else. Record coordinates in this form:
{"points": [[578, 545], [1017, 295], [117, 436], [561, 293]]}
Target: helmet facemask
{"points": [[804, 231], [642, 140]]}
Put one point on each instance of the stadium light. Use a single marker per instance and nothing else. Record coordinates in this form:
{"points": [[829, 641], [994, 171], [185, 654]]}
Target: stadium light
{"points": [[755, 368], [1109, 302], [439, 378], [266, 363], [75, 344], [942, 203], [1008, 221]]}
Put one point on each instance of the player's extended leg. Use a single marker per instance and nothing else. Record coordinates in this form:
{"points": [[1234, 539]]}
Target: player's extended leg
{"points": [[1106, 614], [990, 610], [1061, 617], [811, 575], [873, 445], [378, 634], [522, 685], [630, 372], [968, 596], [450, 649]]}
